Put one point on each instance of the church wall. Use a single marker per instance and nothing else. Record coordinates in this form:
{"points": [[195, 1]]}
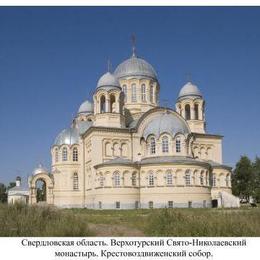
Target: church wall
{"points": [[178, 192], [222, 182], [208, 149]]}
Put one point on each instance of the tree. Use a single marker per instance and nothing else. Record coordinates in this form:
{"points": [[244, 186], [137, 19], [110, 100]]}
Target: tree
{"points": [[243, 179], [3, 193], [11, 185], [256, 170]]}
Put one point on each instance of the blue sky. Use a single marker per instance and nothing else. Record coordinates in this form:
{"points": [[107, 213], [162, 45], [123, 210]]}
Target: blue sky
{"points": [[51, 59]]}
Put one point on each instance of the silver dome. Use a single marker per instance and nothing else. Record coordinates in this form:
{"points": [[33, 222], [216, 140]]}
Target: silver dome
{"points": [[165, 123], [189, 89], [68, 136], [109, 81], [135, 67], [86, 107], [39, 169]]}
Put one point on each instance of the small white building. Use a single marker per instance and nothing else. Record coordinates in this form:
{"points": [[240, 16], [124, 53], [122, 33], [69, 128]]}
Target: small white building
{"points": [[19, 193]]}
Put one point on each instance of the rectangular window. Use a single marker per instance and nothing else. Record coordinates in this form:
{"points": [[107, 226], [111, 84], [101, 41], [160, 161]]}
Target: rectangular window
{"points": [[170, 204], [117, 204], [150, 204], [190, 204], [136, 205], [100, 205]]}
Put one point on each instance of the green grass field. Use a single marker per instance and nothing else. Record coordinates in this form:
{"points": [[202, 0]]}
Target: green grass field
{"points": [[20, 220]]}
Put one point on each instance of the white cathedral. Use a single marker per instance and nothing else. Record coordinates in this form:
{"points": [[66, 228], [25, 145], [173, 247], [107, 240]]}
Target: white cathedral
{"points": [[124, 151]]}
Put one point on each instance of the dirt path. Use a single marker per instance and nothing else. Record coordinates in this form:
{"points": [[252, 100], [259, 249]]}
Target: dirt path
{"points": [[108, 230]]}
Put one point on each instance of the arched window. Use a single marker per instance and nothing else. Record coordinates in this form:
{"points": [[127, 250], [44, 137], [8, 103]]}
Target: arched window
{"points": [[187, 112], [178, 145], [151, 179], [143, 91], [214, 180], [201, 179], [125, 92], [165, 144], [133, 92], [151, 94], [169, 178], [64, 154], [196, 111], [152, 145], [112, 104], [187, 178], [133, 179], [75, 154], [102, 104], [75, 181], [116, 179], [56, 154]]}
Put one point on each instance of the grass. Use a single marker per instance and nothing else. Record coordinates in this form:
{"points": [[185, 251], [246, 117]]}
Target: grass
{"points": [[21, 220]]}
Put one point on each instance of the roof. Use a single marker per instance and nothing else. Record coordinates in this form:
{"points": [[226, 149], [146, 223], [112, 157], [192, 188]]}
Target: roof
{"points": [[83, 126], [135, 67], [189, 89], [19, 190], [156, 160], [116, 161], [39, 169], [174, 160], [86, 107], [68, 136], [219, 165], [109, 81], [165, 122]]}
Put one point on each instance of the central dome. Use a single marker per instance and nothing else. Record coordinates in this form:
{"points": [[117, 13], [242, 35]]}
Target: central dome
{"points": [[135, 67], [165, 123]]}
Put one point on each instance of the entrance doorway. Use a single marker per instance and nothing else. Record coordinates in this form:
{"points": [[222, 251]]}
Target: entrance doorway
{"points": [[41, 194]]}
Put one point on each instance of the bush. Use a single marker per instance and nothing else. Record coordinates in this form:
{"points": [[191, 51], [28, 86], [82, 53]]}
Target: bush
{"points": [[22, 220]]}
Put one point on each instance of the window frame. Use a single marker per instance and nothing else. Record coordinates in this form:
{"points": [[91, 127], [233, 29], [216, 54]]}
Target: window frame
{"points": [[134, 93], [165, 144], [64, 154], [152, 145], [143, 92], [151, 179], [75, 154], [117, 179], [169, 177], [75, 181], [187, 178], [178, 144]]}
